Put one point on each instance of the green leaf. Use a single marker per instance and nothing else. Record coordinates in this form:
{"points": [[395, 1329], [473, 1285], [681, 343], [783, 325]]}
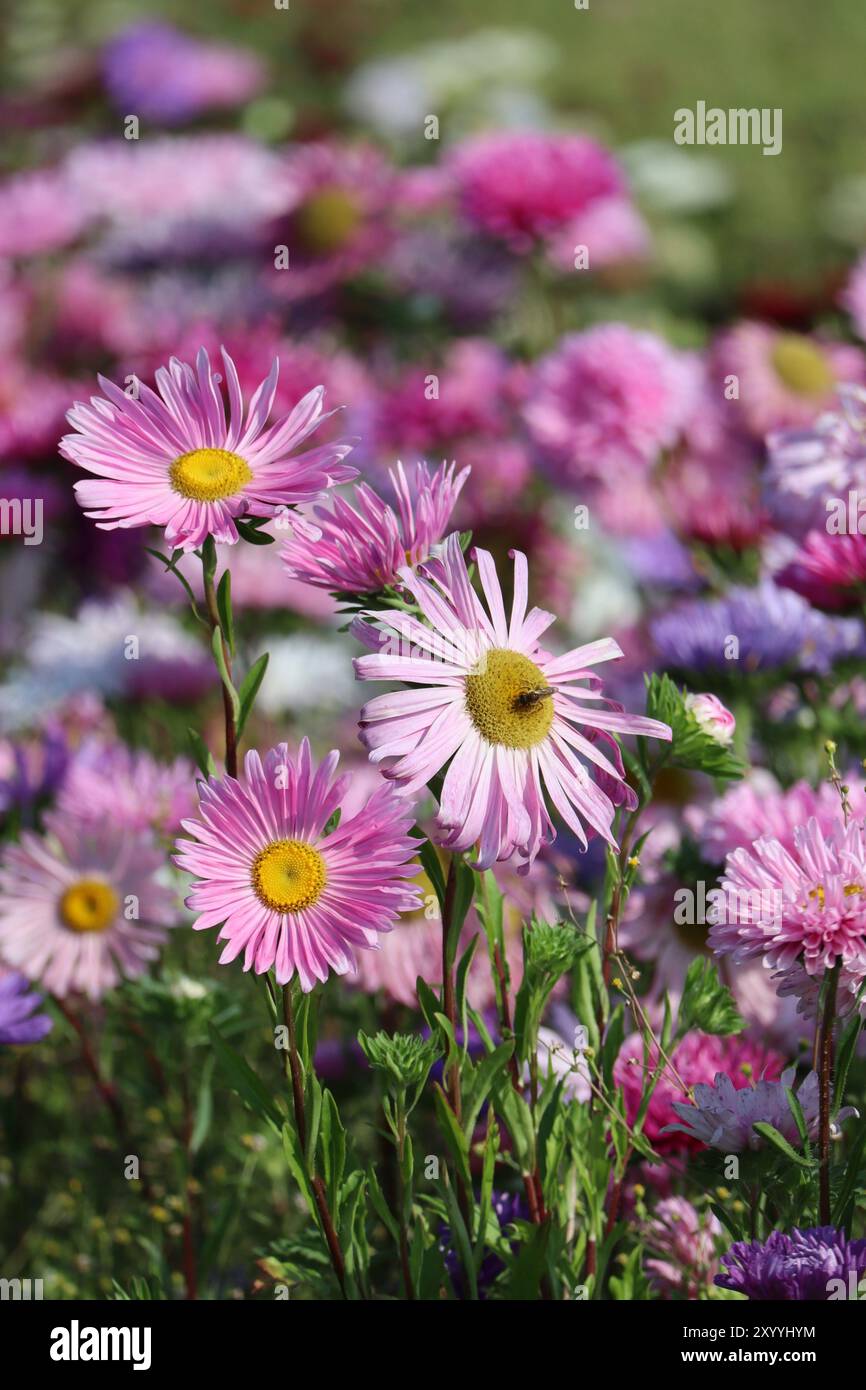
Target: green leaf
{"points": [[433, 870], [527, 1271], [248, 530], [707, 1004], [244, 1080], [847, 1049], [224, 608], [772, 1135], [204, 1108], [249, 690], [201, 753], [220, 659]]}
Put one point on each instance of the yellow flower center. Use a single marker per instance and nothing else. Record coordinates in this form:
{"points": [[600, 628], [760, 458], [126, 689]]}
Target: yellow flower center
{"points": [[288, 876], [509, 701], [327, 220], [802, 366], [89, 905], [209, 474]]}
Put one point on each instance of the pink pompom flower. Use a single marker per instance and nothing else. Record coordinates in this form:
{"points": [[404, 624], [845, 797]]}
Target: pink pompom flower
{"points": [[607, 402], [520, 186], [173, 459], [503, 714], [82, 907], [802, 910], [287, 892]]}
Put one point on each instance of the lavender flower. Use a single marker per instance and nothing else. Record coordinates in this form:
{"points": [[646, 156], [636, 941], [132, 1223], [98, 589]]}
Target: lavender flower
{"points": [[828, 457], [774, 628], [723, 1116], [796, 1266], [19, 1023]]}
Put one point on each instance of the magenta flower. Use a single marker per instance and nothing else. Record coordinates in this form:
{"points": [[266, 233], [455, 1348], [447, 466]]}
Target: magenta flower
{"points": [[501, 712], [363, 547], [802, 910], [520, 186], [284, 890], [829, 571], [82, 907], [784, 379], [172, 460], [608, 401]]}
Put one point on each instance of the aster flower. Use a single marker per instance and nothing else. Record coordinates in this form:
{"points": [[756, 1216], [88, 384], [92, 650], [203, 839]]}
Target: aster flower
{"points": [[520, 186], [38, 213], [774, 628], [337, 216], [798, 1266], [165, 75], [611, 229], [285, 891], [19, 1021], [70, 656], [698, 1058], [785, 379], [801, 910], [683, 1241], [172, 460], [828, 570], [502, 710], [826, 455], [759, 808], [724, 1117], [31, 770], [82, 908], [129, 786], [363, 547], [609, 399]]}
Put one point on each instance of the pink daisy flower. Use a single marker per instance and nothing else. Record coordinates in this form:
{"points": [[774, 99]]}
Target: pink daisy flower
{"points": [[609, 399], [503, 714], [802, 910], [785, 379], [611, 229], [82, 908], [285, 891], [363, 547], [520, 186], [339, 214], [172, 460]]}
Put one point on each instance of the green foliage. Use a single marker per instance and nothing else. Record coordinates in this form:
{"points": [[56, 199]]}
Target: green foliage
{"points": [[691, 746]]}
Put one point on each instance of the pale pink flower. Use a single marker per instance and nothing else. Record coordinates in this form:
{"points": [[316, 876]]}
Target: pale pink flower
{"points": [[684, 1241], [82, 907], [612, 232], [502, 713], [173, 459], [784, 379], [109, 780], [287, 891], [723, 1116]]}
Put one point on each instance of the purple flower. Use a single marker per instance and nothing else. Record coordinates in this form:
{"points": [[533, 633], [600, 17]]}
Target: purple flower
{"points": [[161, 74], [796, 1266], [506, 1207], [19, 1023], [773, 627]]}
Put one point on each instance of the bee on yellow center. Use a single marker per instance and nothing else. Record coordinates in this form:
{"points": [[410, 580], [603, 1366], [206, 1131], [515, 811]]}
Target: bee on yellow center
{"points": [[509, 700]]}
